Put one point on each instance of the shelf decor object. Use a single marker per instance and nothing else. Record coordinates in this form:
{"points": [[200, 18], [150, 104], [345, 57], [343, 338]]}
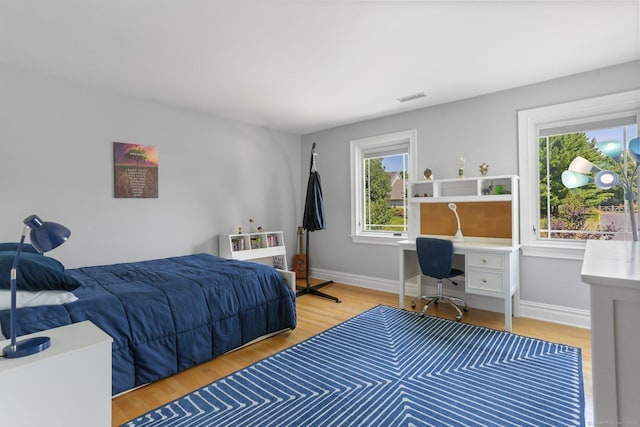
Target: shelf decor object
{"points": [[580, 170], [44, 236]]}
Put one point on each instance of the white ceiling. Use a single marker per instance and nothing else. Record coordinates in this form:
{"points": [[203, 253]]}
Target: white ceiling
{"points": [[307, 65]]}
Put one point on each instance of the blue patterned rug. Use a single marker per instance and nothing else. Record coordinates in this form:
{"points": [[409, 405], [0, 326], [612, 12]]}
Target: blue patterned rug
{"points": [[389, 367]]}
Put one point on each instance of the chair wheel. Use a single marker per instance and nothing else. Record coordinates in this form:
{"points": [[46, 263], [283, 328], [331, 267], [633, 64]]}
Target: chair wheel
{"points": [[465, 309], [458, 318], [413, 304]]}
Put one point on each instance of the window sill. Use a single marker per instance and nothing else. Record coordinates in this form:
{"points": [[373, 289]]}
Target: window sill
{"points": [[573, 251], [377, 239]]}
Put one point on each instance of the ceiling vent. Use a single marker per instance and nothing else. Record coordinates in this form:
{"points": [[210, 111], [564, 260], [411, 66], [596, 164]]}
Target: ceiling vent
{"points": [[412, 97]]}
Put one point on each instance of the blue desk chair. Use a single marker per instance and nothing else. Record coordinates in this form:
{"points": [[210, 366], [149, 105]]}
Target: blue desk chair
{"points": [[435, 257]]}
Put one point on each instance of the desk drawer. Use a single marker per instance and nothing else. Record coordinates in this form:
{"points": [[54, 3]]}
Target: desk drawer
{"points": [[485, 260], [482, 282]]}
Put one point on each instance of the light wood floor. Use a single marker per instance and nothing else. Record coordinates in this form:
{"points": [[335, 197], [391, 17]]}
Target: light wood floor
{"points": [[316, 314]]}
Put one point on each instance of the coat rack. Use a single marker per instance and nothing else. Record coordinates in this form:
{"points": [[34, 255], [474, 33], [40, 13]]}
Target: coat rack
{"points": [[314, 220]]}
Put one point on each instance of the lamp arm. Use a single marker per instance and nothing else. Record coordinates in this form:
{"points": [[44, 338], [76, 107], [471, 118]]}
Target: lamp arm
{"points": [[634, 228], [635, 171], [627, 185], [631, 176], [14, 274], [629, 196], [20, 245], [457, 218]]}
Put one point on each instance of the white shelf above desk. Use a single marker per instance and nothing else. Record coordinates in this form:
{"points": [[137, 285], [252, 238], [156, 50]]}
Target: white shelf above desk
{"points": [[479, 197]]}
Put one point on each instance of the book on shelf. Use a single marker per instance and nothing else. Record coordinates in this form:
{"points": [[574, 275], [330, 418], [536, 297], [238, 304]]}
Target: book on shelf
{"points": [[237, 245], [272, 240], [257, 243]]}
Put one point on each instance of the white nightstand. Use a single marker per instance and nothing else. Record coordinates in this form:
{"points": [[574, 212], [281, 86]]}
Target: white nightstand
{"points": [[69, 384]]}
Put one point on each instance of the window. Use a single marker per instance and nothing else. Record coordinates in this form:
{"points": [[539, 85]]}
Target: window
{"points": [[585, 212], [555, 220], [380, 169]]}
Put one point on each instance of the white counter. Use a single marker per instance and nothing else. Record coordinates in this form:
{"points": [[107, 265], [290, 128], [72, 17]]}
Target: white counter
{"points": [[612, 269]]}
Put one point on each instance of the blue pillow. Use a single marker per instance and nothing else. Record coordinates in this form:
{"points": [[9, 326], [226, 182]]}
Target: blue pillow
{"points": [[35, 273], [12, 247]]}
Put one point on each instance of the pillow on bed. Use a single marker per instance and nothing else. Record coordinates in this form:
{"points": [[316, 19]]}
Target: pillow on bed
{"points": [[13, 247], [34, 299], [35, 273]]}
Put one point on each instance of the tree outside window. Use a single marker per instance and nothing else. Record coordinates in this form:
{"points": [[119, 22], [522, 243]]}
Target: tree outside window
{"points": [[585, 212], [385, 193]]}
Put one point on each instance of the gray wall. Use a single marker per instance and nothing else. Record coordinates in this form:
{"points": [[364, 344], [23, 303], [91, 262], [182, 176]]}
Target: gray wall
{"points": [[482, 129], [56, 160], [217, 173]]}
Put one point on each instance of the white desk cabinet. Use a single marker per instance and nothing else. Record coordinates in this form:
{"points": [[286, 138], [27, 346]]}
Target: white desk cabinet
{"points": [[612, 269], [69, 384], [490, 269]]}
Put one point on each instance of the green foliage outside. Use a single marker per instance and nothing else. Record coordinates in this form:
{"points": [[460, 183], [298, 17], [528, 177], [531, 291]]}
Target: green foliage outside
{"points": [[398, 222], [574, 209], [378, 210]]}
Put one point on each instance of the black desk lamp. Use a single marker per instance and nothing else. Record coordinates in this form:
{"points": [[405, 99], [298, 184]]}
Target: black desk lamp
{"points": [[44, 236]]}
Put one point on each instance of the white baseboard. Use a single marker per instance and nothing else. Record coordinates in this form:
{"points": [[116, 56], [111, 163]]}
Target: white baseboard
{"points": [[534, 310], [356, 280], [556, 314]]}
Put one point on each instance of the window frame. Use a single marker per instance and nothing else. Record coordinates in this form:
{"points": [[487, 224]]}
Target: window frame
{"points": [[358, 150], [530, 122]]}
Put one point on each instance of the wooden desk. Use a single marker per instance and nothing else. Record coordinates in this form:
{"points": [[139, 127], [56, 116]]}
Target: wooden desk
{"points": [[491, 269], [612, 269]]}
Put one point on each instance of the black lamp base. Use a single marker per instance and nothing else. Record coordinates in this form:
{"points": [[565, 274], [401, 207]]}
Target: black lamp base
{"points": [[27, 347]]}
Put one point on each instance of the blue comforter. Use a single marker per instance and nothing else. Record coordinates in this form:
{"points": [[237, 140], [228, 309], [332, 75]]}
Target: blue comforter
{"points": [[169, 314]]}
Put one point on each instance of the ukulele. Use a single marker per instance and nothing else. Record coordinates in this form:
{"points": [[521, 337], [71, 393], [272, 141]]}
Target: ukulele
{"points": [[300, 260]]}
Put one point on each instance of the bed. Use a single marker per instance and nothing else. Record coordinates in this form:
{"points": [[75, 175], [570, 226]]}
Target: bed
{"points": [[164, 315]]}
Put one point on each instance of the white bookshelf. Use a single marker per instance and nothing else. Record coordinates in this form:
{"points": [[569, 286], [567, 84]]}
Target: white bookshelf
{"points": [[264, 247]]}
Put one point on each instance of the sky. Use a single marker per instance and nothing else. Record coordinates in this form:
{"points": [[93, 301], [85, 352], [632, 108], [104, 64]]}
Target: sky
{"points": [[392, 163], [613, 134]]}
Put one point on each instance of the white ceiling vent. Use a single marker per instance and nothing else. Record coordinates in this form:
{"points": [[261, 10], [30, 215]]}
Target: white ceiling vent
{"points": [[412, 97]]}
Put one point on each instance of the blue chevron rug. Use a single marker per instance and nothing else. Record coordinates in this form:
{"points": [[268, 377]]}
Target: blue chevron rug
{"points": [[389, 367]]}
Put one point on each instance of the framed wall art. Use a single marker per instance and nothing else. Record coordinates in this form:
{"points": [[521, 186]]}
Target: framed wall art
{"points": [[135, 171]]}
